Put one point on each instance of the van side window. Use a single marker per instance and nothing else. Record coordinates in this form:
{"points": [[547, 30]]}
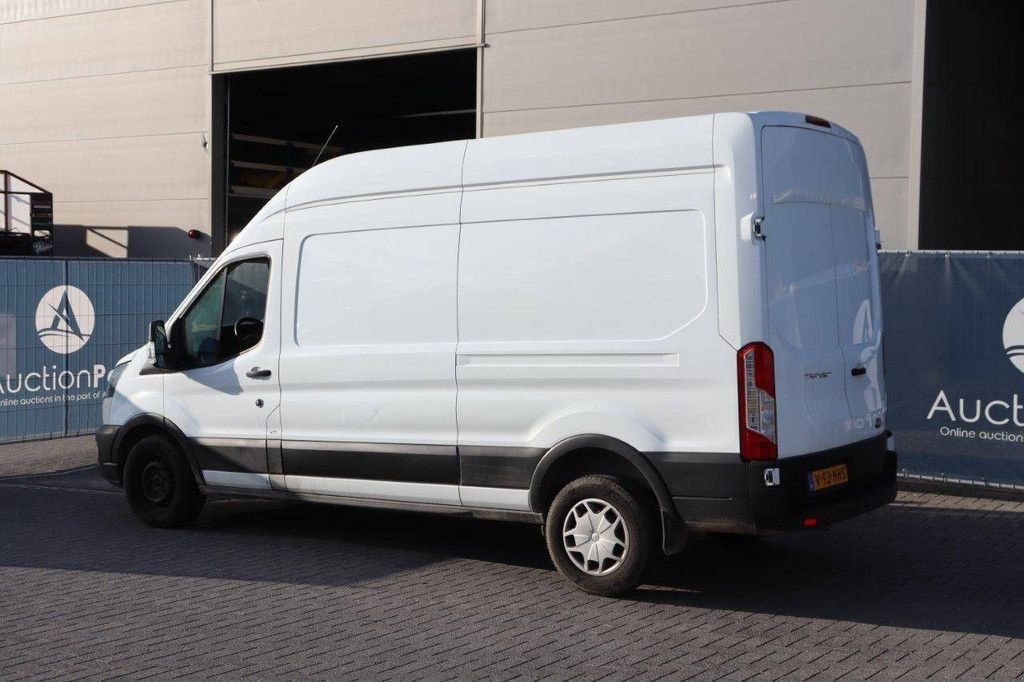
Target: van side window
{"points": [[227, 318], [202, 323]]}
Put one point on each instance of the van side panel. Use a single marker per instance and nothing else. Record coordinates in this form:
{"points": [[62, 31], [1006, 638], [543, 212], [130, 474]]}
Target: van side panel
{"points": [[368, 348], [368, 344], [586, 298]]}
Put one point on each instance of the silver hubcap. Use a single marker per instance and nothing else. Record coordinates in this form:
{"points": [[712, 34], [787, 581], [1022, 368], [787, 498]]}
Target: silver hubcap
{"points": [[595, 537]]}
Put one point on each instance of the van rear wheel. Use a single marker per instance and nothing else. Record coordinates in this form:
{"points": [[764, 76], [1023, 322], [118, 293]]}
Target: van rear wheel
{"points": [[599, 535], [159, 484]]}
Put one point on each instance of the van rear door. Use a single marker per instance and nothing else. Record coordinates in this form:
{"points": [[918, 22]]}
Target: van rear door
{"points": [[822, 289]]}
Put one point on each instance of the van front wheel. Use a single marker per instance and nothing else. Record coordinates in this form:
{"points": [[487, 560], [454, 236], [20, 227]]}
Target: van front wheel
{"points": [[159, 484], [599, 535]]}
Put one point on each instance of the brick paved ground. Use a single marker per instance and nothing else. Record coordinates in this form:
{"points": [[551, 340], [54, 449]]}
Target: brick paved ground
{"points": [[931, 587]]}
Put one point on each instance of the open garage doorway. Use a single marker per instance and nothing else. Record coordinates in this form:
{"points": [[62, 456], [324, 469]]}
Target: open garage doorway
{"points": [[271, 125], [971, 173]]}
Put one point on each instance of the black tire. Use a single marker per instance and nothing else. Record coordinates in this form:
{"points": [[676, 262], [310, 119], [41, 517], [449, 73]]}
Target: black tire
{"points": [[159, 484], [637, 522]]}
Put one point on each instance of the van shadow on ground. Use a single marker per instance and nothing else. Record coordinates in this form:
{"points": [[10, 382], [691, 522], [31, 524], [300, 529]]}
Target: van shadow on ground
{"points": [[924, 562]]}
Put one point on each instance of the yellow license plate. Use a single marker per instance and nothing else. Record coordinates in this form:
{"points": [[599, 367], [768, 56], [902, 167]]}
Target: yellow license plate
{"points": [[827, 478]]}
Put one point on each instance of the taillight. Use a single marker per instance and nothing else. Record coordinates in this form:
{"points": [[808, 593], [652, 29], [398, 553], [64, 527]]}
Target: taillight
{"points": [[755, 367]]}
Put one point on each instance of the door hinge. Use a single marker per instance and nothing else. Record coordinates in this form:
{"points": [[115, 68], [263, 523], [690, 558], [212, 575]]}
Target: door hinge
{"points": [[757, 227]]}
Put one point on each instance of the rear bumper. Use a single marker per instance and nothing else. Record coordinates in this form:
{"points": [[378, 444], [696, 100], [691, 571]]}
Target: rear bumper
{"points": [[105, 436], [729, 495]]}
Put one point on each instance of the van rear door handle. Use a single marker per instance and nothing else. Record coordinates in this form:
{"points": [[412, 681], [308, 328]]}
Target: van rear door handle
{"points": [[257, 373], [858, 371]]}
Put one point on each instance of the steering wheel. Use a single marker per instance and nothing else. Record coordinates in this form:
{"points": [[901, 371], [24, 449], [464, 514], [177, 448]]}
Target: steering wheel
{"points": [[242, 322]]}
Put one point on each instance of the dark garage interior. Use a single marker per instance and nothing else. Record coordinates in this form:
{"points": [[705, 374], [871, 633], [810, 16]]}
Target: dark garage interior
{"points": [[971, 143], [271, 125]]}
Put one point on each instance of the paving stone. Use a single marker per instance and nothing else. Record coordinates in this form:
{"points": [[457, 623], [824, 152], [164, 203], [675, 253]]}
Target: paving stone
{"points": [[927, 588]]}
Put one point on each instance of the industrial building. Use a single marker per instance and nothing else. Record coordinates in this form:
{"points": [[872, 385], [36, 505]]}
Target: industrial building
{"points": [[161, 126]]}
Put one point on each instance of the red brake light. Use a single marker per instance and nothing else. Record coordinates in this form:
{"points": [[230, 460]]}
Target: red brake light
{"points": [[755, 369]]}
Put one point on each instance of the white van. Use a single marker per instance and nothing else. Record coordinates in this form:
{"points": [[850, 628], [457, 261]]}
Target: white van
{"points": [[623, 332]]}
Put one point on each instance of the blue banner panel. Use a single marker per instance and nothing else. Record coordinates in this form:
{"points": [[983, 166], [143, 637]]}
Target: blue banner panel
{"points": [[30, 404], [63, 325], [954, 363]]}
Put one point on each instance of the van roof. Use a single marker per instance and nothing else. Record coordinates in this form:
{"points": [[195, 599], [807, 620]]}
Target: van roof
{"points": [[674, 143]]}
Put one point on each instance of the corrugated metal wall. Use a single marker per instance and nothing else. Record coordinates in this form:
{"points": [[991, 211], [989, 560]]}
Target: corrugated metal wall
{"points": [[63, 325]]}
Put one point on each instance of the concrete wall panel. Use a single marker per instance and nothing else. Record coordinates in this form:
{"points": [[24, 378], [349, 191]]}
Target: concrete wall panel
{"points": [[27, 10], [873, 112], [251, 33], [186, 213], [106, 104], [106, 101], [156, 229], [143, 38], [126, 104], [125, 169], [564, 64], [890, 199], [519, 15], [802, 44]]}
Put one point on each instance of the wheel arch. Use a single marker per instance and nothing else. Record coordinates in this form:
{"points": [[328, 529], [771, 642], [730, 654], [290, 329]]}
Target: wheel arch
{"points": [[594, 454], [148, 424]]}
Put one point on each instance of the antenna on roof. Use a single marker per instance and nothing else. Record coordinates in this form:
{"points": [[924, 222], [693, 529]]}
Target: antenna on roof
{"points": [[329, 138]]}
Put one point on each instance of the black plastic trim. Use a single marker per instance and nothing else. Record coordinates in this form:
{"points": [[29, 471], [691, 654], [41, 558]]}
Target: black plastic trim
{"points": [[275, 465], [598, 442], [105, 437], [247, 455], [110, 472], [730, 495], [701, 474], [372, 461], [151, 368], [498, 466]]}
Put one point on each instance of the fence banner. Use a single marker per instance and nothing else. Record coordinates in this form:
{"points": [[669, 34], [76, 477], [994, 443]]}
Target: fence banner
{"points": [[954, 363], [63, 325]]}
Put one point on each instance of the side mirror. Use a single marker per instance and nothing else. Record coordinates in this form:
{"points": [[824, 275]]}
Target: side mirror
{"points": [[161, 348]]}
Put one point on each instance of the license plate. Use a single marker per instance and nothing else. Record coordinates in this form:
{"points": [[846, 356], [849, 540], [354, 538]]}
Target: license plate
{"points": [[827, 478]]}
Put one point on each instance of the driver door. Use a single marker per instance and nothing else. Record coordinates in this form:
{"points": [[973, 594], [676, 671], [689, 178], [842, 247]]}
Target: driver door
{"points": [[228, 396]]}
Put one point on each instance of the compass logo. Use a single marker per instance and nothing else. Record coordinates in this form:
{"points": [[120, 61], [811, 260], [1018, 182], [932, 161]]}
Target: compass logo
{"points": [[1013, 335], [65, 319]]}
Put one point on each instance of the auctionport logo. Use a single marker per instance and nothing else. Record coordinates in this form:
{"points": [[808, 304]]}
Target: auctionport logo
{"points": [[972, 417], [1013, 335], [65, 319]]}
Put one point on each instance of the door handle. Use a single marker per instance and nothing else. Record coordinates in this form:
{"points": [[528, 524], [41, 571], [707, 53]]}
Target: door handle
{"points": [[858, 371], [257, 373]]}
